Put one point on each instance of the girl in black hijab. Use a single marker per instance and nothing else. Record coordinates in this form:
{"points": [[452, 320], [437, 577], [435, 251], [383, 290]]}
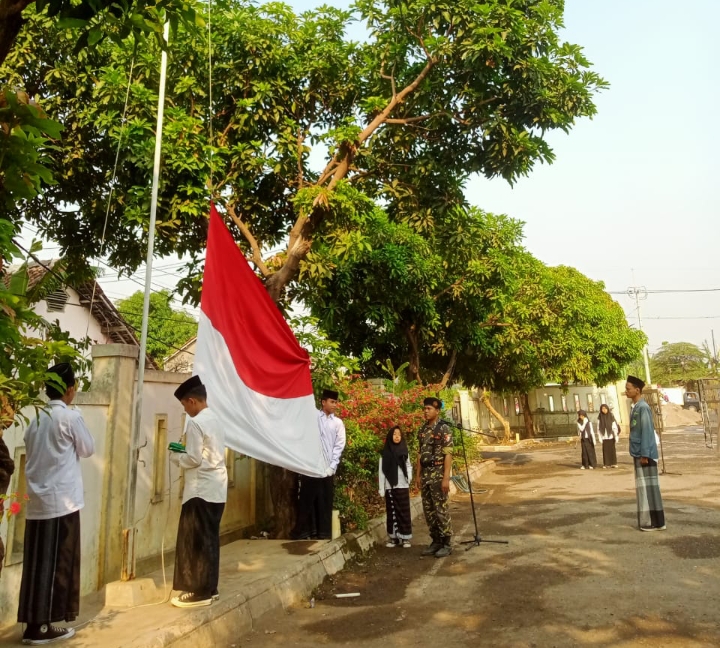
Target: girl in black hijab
{"points": [[587, 441], [608, 431], [394, 477]]}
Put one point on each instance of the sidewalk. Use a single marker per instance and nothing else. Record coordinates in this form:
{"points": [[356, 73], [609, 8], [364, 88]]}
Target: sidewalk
{"points": [[256, 577]]}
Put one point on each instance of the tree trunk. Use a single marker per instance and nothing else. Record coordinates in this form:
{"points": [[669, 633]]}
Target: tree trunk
{"points": [[449, 371], [11, 21], [414, 359], [283, 491], [527, 417], [485, 400]]}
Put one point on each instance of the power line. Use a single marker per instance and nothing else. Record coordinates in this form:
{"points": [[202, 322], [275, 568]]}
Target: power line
{"points": [[668, 291]]}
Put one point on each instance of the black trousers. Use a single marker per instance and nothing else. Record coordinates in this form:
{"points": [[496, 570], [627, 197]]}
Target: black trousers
{"points": [[197, 552], [315, 505], [50, 586]]}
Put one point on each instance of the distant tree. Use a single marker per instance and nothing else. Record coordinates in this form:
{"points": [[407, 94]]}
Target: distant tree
{"points": [[678, 362], [168, 328], [563, 328]]}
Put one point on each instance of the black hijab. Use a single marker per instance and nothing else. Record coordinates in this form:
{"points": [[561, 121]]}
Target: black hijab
{"points": [[605, 421], [394, 455]]}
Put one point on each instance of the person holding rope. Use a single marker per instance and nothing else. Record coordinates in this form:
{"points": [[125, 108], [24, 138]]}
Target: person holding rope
{"points": [[197, 551], [434, 466]]}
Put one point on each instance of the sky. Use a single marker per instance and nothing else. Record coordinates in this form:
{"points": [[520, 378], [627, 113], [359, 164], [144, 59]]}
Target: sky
{"points": [[629, 200]]}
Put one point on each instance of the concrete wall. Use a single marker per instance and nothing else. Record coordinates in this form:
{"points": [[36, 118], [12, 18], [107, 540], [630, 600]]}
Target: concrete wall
{"points": [[553, 407], [107, 409]]}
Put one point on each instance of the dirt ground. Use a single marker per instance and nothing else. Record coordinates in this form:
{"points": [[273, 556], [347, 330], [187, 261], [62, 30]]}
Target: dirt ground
{"points": [[576, 571]]}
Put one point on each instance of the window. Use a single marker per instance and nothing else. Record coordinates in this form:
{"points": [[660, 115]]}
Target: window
{"points": [[551, 403], [159, 458], [576, 398], [506, 409], [16, 524], [603, 399], [56, 301], [563, 400], [518, 409], [230, 457], [590, 403]]}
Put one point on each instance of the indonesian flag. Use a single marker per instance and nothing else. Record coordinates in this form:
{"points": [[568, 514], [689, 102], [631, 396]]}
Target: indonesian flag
{"points": [[257, 375]]}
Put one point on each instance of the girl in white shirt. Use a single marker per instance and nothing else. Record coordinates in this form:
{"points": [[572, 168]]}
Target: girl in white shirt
{"points": [[587, 441], [394, 478]]}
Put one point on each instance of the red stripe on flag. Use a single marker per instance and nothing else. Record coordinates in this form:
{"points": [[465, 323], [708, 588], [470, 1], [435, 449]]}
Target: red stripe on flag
{"points": [[264, 351]]}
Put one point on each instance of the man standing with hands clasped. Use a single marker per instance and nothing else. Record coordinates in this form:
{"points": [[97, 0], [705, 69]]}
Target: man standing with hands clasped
{"points": [[434, 468], [643, 448], [55, 441], [315, 502]]}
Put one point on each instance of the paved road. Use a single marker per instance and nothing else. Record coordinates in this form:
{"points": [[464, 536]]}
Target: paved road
{"points": [[576, 572]]}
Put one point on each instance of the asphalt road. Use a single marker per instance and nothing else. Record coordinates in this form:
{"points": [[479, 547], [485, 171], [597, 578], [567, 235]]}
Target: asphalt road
{"points": [[576, 571]]}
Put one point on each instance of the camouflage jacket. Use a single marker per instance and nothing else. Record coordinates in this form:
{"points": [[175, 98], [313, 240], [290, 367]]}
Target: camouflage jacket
{"points": [[434, 442]]}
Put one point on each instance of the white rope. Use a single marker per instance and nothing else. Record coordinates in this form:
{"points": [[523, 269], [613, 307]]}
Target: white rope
{"points": [[112, 185]]}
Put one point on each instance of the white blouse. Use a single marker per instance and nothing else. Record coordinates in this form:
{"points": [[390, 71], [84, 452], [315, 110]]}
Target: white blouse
{"points": [[384, 484]]}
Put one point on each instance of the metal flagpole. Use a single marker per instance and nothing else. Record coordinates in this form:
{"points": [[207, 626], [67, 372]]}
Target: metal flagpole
{"points": [[128, 564]]}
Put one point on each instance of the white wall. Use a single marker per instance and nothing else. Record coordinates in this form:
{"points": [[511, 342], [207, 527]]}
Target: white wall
{"points": [[76, 319], [156, 522]]}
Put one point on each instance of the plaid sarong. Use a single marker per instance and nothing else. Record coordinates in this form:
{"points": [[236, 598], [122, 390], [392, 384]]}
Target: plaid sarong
{"points": [[649, 501]]}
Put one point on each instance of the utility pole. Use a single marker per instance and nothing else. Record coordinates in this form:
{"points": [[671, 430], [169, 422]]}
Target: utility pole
{"points": [[639, 293]]}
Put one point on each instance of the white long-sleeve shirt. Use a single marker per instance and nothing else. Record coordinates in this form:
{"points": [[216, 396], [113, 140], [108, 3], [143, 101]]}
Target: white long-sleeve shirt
{"points": [[204, 459], [55, 441], [585, 430], [385, 485], [606, 436], [332, 438]]}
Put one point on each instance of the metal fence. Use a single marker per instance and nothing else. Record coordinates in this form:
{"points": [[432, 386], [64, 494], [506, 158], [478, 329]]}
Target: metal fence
{"points": [[709, 392]]}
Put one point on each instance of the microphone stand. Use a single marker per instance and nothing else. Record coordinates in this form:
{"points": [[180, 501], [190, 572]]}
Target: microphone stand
{"points": [[475, 542]]}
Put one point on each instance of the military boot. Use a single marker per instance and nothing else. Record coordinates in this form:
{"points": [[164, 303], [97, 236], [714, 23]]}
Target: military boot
{"points": [[432, 549]]}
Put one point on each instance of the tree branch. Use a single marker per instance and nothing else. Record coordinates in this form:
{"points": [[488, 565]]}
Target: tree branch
{"points": [[300, 140], [245, 231]]}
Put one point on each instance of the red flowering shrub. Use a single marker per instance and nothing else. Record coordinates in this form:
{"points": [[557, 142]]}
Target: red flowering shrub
{"points": [[368, 414]]}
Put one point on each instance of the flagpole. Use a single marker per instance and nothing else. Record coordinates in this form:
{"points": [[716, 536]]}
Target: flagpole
{"points": [[128, 563]]}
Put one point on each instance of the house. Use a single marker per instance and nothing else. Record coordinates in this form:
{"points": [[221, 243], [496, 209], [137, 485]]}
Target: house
{"points": [[182, 360], [81, 311]]}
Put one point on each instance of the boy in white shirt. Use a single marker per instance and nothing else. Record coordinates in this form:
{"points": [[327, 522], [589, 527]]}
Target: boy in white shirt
{"points": [[55, 441], [197, 551]]}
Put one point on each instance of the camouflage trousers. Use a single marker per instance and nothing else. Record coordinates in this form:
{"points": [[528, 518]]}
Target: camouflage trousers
{"points": [[435, 504]]}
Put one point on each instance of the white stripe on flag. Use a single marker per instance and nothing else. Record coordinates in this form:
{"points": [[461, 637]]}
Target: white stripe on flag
{"points": [[279, 431]]}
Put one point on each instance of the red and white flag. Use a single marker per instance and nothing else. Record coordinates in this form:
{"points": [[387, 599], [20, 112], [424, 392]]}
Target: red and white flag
{"points": [[257, 375]]}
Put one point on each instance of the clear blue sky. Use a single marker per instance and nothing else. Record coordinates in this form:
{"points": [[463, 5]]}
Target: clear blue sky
{"points": [[633, 188]]}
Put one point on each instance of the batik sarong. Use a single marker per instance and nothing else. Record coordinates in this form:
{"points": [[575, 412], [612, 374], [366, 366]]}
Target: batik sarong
{"points": [[397, 509]]}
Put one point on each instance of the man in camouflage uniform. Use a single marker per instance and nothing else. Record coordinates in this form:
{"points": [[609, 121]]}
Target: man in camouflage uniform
{"points": [[434, 466]]}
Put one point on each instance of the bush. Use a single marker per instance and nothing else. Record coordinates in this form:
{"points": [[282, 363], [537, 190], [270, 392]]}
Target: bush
{"points": [[368, 414]]}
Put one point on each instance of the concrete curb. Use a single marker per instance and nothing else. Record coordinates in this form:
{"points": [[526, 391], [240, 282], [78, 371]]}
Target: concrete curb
{"points": [[231, 617], [227, 620]]}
